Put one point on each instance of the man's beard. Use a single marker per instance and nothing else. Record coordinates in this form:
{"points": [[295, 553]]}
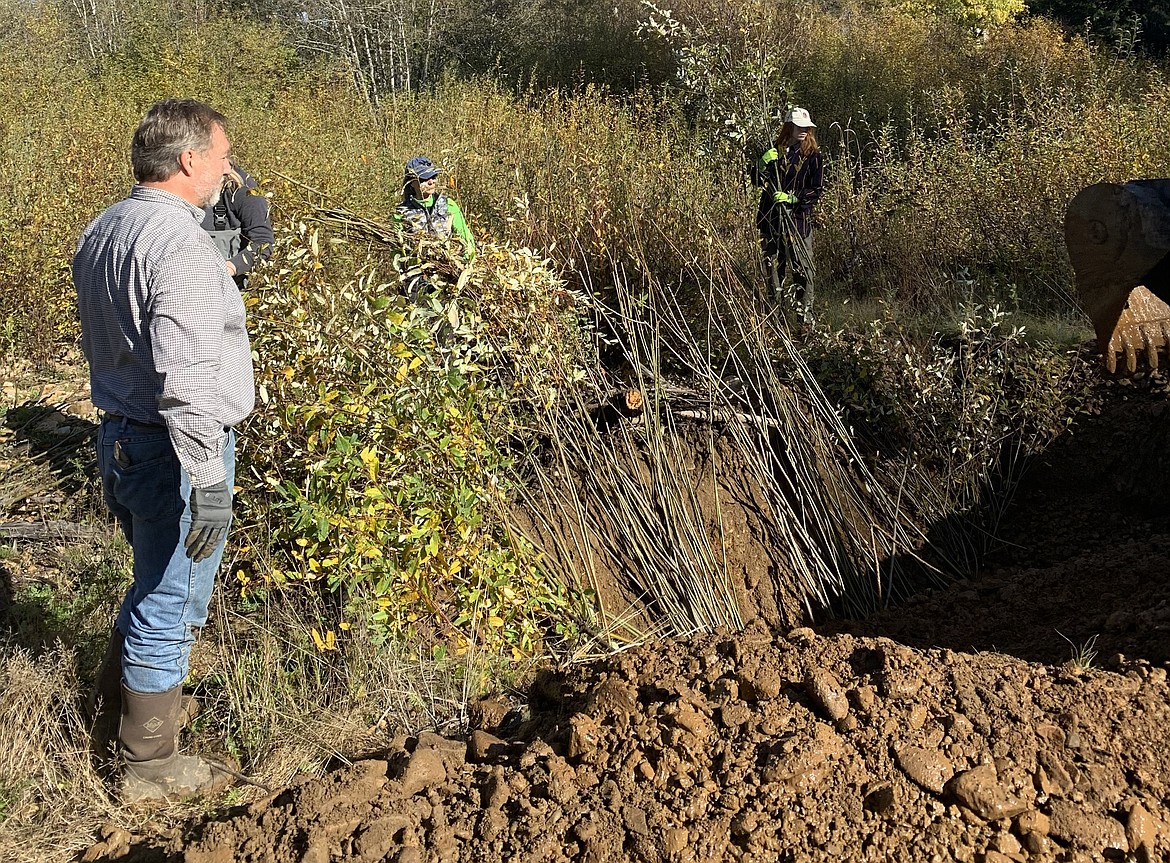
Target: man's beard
{"points": [[212, 197]]}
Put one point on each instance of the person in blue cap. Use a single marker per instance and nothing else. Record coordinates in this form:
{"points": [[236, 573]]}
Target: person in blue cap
{"points": [[424, 211]]}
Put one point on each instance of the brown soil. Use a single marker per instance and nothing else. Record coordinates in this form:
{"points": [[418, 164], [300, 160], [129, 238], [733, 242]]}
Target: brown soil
{"points": [[953, 728]]}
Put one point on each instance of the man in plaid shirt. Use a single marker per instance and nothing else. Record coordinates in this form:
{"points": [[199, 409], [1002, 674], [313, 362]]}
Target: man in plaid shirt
{"points": [[162, 326]]}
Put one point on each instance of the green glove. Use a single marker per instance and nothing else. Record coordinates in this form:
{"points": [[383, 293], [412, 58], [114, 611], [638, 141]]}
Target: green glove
{"points": [[784, 198], [211, 513], [768, 158]]}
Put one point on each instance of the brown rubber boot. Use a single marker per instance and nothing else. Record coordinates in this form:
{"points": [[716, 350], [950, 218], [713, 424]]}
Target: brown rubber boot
{"points": [[155, 771], [105, 702]]}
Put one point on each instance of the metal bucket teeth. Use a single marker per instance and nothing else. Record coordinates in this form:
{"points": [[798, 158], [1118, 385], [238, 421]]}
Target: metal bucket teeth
{"points": [[1118, 238], [1143, 328]]}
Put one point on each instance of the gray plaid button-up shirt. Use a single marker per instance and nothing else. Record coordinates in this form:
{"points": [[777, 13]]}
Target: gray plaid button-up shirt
{"points": [[162, 325]]}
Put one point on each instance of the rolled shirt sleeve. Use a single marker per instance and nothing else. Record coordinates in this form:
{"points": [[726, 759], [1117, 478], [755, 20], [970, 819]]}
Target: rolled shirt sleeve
{"points": [[194, 309]]}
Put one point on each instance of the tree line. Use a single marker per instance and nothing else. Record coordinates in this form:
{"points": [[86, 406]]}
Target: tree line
{"points": [[392, 46]]}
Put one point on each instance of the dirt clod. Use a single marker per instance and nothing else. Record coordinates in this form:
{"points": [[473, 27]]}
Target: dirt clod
{"points": [[826, 691], [424, 770], [1073, 824], [929, 769]]}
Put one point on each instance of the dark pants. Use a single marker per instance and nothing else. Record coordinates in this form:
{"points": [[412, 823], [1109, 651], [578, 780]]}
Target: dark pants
{"points": [[786, 239]]}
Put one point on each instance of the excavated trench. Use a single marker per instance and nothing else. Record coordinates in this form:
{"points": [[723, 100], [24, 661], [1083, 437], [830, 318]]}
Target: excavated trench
{"points": [[954, 727]]}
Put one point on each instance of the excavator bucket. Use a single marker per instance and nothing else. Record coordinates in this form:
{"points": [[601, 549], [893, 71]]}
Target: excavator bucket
{"points": [[1118, 239]]}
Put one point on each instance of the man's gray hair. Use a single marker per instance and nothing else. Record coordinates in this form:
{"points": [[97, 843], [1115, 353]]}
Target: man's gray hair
{"points": [[171, 127]]}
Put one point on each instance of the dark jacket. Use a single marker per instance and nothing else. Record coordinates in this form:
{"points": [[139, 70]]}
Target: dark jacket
{"points": [[240, 225], [799, 175]]}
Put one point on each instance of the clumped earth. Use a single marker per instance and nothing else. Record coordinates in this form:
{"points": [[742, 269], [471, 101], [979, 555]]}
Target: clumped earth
{"points": [[1022, 715], [752, 747]]}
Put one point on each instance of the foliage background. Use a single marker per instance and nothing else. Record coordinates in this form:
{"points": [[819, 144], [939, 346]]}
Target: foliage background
{"points": [[954, 134]]}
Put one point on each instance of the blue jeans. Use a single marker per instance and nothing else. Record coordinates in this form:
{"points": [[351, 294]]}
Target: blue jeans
{"points": [[149, 492]]}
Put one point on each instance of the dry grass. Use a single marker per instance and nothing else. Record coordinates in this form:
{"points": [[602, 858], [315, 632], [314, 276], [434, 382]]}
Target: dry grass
{"points": [[51, 800], [267, 696]]}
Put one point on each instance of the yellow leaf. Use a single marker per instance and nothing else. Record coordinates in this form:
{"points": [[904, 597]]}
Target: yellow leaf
{"points": [[369, 458], [329, 642]]}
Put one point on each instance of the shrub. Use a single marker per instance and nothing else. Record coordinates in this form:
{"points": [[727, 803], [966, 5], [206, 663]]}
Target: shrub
{"points": [[378, 451], [965, 408]]}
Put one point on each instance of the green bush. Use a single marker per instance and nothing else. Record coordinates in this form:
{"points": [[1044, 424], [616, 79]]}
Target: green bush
{"points": [[377, 454], [965, 407]]}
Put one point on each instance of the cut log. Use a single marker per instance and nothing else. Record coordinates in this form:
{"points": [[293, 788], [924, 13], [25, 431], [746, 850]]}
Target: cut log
{"points": [[48, 530]]}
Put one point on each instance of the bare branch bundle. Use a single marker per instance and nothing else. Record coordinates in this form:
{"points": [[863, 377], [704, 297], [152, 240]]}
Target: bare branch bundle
{"points": [[838, 534]]}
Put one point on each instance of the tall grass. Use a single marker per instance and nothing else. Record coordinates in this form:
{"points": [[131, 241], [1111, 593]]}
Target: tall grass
{"points": [[935, 170], [946, 155]]}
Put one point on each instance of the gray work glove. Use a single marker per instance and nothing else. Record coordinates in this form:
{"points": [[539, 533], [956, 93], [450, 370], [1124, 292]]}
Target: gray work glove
{"points": [[211, 512]]}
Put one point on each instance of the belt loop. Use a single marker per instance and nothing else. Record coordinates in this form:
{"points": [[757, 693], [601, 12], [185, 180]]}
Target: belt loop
{"points": [[120, 422]]}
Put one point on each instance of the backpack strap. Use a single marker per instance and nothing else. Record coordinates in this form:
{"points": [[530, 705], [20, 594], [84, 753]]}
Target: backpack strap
{"points": [[219, 213]]}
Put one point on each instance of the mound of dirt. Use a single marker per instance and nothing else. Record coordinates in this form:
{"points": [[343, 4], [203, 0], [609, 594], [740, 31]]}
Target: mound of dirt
{"points": [[752, 746], [842, 745]]}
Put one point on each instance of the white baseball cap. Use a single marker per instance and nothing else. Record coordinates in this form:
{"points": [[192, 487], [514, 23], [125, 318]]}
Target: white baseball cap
{"points": [[800, 117]]}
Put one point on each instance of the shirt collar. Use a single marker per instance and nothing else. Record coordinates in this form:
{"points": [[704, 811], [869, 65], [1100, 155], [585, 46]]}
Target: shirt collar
{"points": [[158, 196]]}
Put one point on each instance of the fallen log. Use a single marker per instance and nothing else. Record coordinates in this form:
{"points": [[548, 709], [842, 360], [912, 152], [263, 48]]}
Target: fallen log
{"points": [[45, 530]]}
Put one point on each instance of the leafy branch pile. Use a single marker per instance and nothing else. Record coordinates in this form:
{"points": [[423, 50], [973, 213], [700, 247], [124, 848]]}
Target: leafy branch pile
{"points": [[377, 450]]}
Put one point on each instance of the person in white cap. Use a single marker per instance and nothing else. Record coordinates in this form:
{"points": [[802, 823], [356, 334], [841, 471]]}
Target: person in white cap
{"points": [[791, 173]]}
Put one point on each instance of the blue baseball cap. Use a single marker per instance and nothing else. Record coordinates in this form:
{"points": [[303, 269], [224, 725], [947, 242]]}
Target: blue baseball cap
{"points": [[421, 168]]}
